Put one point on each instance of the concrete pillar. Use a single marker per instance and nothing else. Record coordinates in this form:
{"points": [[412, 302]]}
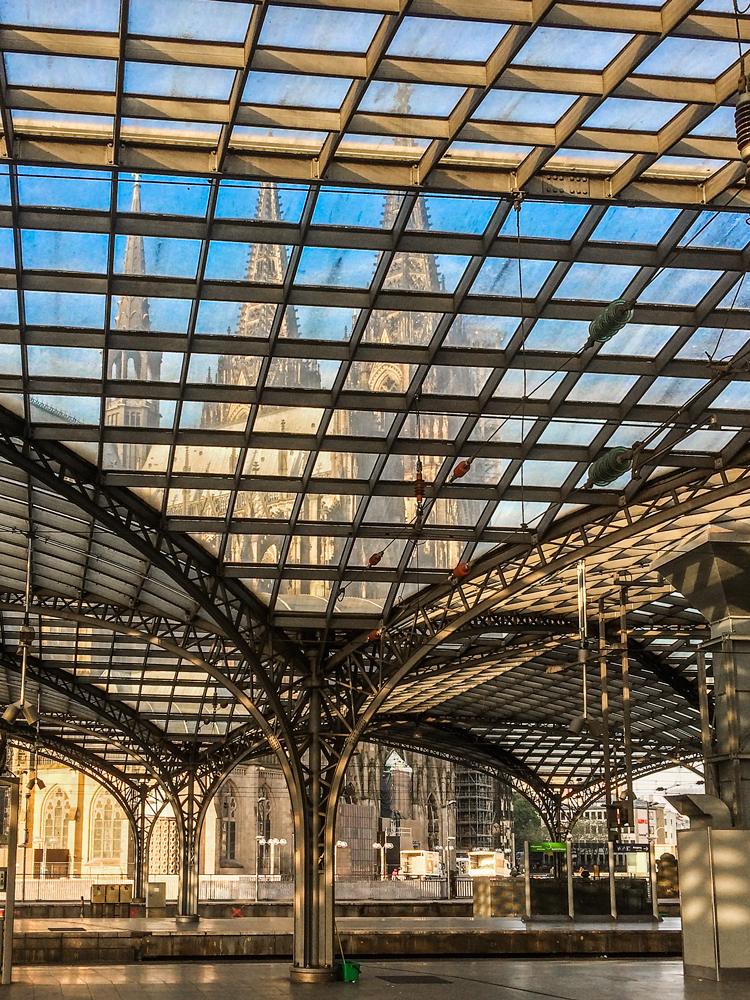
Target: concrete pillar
{"points": [[713, 573]]}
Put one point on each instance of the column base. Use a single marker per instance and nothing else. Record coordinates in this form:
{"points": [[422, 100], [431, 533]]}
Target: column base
{"points": [[187, 919], [300, 974]]}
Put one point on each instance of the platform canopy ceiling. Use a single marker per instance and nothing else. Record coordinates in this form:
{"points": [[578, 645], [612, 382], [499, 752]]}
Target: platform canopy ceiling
{"points": [[262, 266]]}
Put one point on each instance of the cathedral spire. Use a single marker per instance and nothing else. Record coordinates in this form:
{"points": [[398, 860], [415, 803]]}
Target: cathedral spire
{"points": [[132, 310]]}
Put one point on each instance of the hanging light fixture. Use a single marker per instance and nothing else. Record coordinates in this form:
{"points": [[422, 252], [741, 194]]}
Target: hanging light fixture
{"points": [[25, 639]]}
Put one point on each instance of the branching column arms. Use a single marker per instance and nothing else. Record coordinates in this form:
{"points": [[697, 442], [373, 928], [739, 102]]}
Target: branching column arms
{"points": [[188, 566]]}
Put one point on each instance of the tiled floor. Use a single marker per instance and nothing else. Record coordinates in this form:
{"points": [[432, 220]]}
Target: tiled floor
{"points": [[461, 979]]}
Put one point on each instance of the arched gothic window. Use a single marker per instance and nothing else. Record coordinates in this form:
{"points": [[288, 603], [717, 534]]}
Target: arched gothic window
{"points": [[106, 828], [263, 814], [54, 824], [228, 821], [433, 824]]}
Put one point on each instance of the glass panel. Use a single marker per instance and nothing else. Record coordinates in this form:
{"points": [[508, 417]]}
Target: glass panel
{"points": [[500, 276], [161, 256], [538, 219], [634, 224], [425, 272], [666, 391], [241, 319], [571, 48], [679, 286], [64, 309], [596, 282], [64, 188], [254, 200], [94, 15], [328, 30], [395, 326], [64, 362], [600, 388], [488, 332], [692, 57], [512, 106], [215, 21], [262, 263], [359, 208], [339, 268], [53, 251], [162, 195], [296, 91], [204, 83], [28, 69], [320, 322], [455, 381], [446, 39], [539, 384], [389, 98], [636, 116]]}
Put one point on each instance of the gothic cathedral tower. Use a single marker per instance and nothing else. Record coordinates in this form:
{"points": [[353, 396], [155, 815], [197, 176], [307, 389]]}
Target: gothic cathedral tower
{"points": [[133, 364]]}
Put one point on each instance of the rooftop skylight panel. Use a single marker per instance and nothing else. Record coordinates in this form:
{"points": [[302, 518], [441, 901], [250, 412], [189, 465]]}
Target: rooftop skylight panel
{"points": [[371, 376], [4, 185], [454, 380], [69, 409], [221, 318], [571, 48], [450, 214], [723, 230], [393, 326], [481, 332], [202, 83], [162, 256], [7, 249], [258, 201], [580, 432], [193, 413], [595, 282], [711, 441], [362, 423], [29, 69], [48, 250], [500, 276], [170, 130], [642, 341], [557, 335], [10, 359], [327, 266], [64, 362], [261, 263], [667, 391], [601, 388], [8, 306], [738, 296], [295, 90], [277, 139], [691, 168], [446, 39], [94, 15], [539, 219], [395, 147], [207, 20], [64, 309], [634, 224], [543, 473], [205, 368], [679, 286], [163, 195], [356, 208], [428, 100], [165, 315], [407, 271], [719, 124], [321, 322], [710, 341], [698, 58], [516, 106], [535, 384], [624, 114], [502, 153], [208, 461], [513, 513], [319, 29], [735, 397], [62, 124]]}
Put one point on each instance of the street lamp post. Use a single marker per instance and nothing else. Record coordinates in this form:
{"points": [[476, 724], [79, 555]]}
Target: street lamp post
{"points": [[273, 842], [339, 843], [382, 848]]}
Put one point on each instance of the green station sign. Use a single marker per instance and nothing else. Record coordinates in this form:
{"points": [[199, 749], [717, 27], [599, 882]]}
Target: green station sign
{"points": [[547, 847]]}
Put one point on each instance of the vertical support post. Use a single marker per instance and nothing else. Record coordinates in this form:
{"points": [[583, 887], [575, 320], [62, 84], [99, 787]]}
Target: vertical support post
{"points": [[652, 878], [10, 887], [627, 737], [612, 892], [187, 893], [569, 867], [709, 768], [314, 860], [526, 881], [605, 712], [139, 874], [729, 652]]}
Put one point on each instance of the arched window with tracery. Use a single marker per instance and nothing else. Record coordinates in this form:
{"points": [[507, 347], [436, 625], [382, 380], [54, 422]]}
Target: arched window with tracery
{"points": [[228, 821], [263, 815], [107, 820], [55, 819], [433, 824]]}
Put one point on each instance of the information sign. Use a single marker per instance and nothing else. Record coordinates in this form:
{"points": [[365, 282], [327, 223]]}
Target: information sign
{"points": [[631, 848], [547, 847]]}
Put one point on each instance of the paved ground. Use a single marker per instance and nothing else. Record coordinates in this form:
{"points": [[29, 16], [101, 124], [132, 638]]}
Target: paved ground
{"points": [[460, 979]]}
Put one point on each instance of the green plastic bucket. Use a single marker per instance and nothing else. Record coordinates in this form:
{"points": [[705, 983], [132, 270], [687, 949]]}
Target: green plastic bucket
{"points": [[349, 971]]}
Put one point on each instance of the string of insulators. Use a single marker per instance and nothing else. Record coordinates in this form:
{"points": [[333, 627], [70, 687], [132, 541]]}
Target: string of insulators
{"points": [[742, 125], [610, 466], [610, 321], [462, 570], [374, 636], [461, 469], [374, 558], [419, 485]]}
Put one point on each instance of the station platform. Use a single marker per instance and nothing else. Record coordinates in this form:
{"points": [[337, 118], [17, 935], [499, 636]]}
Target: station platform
{"points": [[84, 941], [435, 979]]}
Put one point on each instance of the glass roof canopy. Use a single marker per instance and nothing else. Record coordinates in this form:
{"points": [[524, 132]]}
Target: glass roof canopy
{"points": [[258, 287], [629, 101]]}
